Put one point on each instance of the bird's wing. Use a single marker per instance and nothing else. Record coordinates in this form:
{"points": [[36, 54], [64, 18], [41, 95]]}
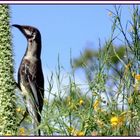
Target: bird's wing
{"points": [[32, 82], [34, 89]]}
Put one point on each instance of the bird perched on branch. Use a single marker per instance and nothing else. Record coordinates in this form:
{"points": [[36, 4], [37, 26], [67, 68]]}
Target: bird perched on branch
{"points": [[30, 75]]}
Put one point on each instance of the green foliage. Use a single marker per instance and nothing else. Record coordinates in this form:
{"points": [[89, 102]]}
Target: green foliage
{"points": [[90, 54], [7, 85]]}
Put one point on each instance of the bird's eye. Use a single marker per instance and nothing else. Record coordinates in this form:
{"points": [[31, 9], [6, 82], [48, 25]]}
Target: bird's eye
{"points": [[33, 33]]}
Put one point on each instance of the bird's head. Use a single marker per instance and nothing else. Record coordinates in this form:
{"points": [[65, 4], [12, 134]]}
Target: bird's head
{"points": [[30, 32]]}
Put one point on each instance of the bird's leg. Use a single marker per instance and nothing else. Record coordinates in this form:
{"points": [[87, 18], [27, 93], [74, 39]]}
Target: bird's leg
{"points": [[24, 116]]}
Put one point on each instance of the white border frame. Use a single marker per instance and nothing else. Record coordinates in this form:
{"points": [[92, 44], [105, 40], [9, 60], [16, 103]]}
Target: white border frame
{"points": [[69, 2]]}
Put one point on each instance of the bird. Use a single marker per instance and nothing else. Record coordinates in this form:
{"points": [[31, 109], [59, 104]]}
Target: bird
{"points": [[30, 74]]}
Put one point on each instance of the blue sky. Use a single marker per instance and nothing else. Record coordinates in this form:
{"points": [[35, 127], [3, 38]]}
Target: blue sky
{"points": [[63, 27]]}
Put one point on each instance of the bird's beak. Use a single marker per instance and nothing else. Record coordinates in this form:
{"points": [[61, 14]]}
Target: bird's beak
{"points": [[22, 29], [16, 25]]}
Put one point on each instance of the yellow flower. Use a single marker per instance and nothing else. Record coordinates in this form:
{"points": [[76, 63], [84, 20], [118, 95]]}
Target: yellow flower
{"points": [[79, 133], [114, 121], [137, 77], [81, 102], [96, 105], [133, 74], [75, 132], [18, 109], [117, 121], [21, 131], [8, 134]]}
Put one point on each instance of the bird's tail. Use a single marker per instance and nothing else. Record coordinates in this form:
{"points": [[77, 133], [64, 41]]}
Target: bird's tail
{"points": [[36, 123], [39, 121], [39, 132]]}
